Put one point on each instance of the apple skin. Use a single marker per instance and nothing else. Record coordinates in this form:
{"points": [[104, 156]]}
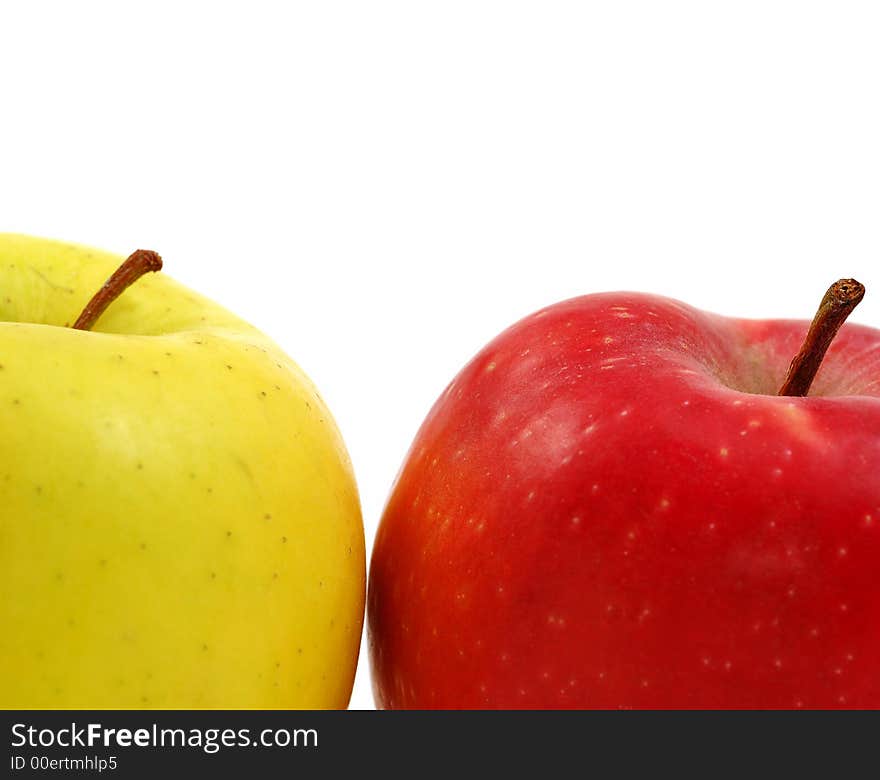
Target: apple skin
{"points": [[179, 521], [609, 508]]}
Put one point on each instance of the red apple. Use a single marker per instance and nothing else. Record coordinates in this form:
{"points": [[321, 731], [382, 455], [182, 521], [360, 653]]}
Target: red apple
{"points": [[610, 506]]}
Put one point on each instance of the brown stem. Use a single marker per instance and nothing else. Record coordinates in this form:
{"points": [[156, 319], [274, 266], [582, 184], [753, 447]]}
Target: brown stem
{"points": [[842, 297], [138, 263]]}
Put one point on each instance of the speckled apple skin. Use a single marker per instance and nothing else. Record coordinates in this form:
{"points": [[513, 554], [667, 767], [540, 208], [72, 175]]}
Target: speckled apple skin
{"points": [[180, 526], [609, 508]]}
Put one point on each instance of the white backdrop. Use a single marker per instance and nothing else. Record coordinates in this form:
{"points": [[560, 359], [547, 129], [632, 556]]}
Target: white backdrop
{"points": [[383, 186]]}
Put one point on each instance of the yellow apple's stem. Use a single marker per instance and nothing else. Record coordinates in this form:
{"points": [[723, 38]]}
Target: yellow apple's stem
{"points": [[842, 297], [138, 263]]}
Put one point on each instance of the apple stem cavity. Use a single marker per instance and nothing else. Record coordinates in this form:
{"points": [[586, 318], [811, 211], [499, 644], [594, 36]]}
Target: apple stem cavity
{"points": [[138, 263], [842, 297]]}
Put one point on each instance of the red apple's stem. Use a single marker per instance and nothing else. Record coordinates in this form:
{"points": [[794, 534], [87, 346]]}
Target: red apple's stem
{"points": [[138, 263], [842, 297]]}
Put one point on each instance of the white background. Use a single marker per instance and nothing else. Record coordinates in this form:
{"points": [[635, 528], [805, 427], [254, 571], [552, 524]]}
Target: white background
{"points": [[383, 186]]}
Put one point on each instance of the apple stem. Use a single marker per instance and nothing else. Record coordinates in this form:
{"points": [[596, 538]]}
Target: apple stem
{"points": [[842, 297], [138, 263]]}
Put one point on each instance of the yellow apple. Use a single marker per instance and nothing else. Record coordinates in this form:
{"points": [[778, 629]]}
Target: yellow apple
{"points": [[179, 521]]}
